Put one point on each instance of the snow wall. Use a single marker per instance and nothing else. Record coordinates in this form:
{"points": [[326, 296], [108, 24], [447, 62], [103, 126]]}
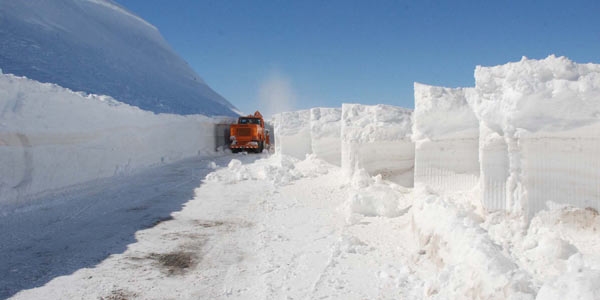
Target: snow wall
{"points": [[292, 133], [446, 135], [375, 138], [539, 134], [378, 139], [52, 137], [325, 134]]}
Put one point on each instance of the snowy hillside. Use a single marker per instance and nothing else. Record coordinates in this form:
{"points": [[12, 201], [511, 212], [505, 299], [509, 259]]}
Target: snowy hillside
{"points": [[97, 46]]}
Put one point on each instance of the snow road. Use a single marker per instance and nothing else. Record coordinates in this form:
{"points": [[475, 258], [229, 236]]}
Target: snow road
{"points": [[254, 230], [274, 227]]}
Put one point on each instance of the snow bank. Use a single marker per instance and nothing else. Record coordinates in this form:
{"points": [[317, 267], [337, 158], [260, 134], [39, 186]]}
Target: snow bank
{"points": [[540, 133], [292, 133], [558, 247], [52, 137], [377, 139], [446, 135], [469, 264], [325, 133]]}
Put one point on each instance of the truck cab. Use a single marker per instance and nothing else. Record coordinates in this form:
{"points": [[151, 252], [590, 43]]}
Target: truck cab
{"points": [[249, 134]]}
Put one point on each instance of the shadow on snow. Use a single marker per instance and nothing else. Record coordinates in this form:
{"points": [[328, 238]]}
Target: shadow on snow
{"points": [[82, 226]]}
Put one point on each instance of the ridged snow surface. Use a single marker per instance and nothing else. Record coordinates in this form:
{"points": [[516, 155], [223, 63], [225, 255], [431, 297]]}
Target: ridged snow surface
{"points": [[99, 47], [325, 129], [562, 171], [377, 139]]}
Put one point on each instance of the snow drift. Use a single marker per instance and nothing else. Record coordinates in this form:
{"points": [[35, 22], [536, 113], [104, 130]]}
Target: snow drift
{"points": [[540, 133], [377, 139], [98, 47], [52, 137], [446, 155]]}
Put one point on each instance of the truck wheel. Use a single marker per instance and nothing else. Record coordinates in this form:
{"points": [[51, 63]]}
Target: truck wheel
{"points": [[261, 147]]}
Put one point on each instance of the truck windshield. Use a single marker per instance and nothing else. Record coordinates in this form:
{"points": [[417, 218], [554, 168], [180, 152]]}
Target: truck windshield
{"points": [[249, 121]]}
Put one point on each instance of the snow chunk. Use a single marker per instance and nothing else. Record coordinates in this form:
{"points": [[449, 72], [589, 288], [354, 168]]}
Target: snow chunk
{"points": [[234, 164], [552, 94], [579, 282], [374, 197]]}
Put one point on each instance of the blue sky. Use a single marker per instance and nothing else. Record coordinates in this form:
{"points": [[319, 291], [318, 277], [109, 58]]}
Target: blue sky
{"points": [[322, 53]]}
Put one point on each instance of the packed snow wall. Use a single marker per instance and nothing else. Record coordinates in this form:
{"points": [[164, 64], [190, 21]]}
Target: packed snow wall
{"points": [[446, 135], [325, 133], [539, 134], [292, 133], [51, 137], [378, 139]]}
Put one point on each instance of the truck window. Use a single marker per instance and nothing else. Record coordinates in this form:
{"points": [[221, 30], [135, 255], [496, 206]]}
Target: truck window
{"points": [[249, 121]]}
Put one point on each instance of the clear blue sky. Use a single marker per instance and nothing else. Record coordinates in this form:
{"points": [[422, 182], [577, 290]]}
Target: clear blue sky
{"points": [[329, 52]]}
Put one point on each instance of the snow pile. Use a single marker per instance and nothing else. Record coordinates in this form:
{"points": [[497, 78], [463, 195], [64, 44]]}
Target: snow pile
{"points": [[559, 249], [293, 133], [540, 134], [51, 137], [446, 135], [377, 138], [325, 129], [280, 170], [469, 264], [578, 282], [373, 197]]}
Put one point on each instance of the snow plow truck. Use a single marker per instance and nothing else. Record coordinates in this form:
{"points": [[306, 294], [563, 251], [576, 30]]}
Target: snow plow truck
{"points": [[249, 134]]}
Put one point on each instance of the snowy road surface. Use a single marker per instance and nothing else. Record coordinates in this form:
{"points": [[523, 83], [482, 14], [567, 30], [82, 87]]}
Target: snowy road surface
{"points": [[252, 231], [80, 227], [262, 227]]}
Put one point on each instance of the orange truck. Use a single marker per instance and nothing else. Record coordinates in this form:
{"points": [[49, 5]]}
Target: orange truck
{"points": [[249, 134]]}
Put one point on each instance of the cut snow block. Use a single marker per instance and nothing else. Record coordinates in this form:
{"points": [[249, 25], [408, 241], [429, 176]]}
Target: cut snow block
{"points": [[326, 130], [561, 170], [446, 135], [52, 137], [292, 133], [540, 124], [494, 164], [377, 139]]}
